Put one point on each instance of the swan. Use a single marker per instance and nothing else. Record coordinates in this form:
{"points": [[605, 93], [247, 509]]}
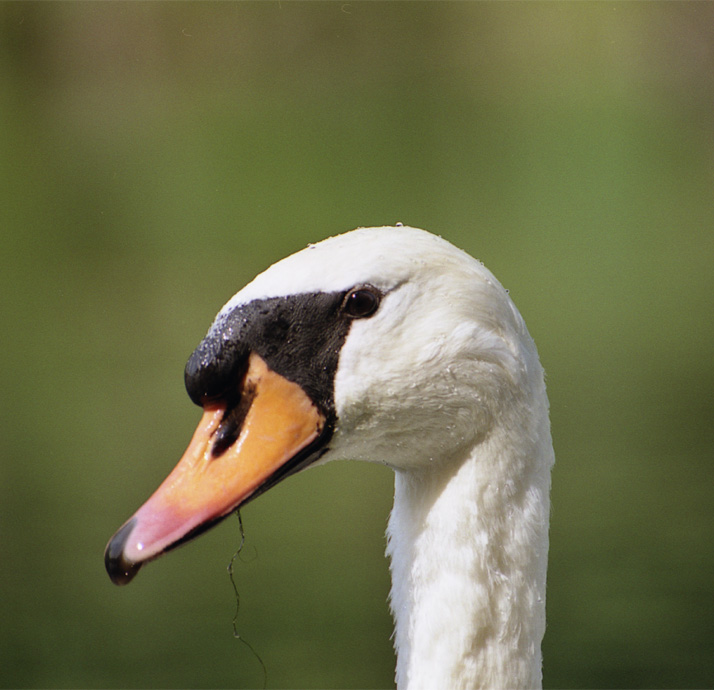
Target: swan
{"points": [[387, 345]]}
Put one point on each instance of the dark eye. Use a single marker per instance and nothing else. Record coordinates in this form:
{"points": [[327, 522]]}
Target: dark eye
{"points": [[361, 302]]}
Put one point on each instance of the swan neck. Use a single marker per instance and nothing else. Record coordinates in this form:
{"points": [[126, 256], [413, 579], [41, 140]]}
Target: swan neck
{"points": [[468, 549]]}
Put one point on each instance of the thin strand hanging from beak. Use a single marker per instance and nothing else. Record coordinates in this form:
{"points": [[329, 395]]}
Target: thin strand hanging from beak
{"points": [[236, 634]]}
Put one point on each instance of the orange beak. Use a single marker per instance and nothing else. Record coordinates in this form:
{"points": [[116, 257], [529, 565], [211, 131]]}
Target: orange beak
{"points": [[234, 453]]}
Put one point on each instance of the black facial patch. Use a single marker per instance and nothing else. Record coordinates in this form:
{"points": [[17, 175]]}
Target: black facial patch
{"points": [[299, 337]]}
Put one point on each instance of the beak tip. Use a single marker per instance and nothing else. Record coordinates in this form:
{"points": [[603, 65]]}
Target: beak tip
{"points": [[120, 569]]}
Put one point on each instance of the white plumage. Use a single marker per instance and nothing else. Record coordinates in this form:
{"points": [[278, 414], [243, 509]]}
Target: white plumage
{"points": [[434, 374], [443, 384]]}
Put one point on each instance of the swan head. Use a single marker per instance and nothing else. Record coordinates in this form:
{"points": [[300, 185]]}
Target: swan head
{"points": [[387, 345]]}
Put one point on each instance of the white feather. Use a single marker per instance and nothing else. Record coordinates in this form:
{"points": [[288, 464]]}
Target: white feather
{"points": [[444, 385]]}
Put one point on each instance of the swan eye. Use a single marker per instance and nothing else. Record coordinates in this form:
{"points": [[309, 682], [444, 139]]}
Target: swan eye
{"points": [[361, 302]]}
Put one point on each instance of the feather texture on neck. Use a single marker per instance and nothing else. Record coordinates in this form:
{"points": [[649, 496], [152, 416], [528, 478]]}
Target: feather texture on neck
{"points": [[468, 542]]}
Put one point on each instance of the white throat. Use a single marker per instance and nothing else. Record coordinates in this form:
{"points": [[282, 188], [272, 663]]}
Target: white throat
{"points": [[468, 548]]}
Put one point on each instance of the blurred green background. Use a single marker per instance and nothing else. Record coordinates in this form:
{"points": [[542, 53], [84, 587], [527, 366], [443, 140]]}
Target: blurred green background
{"points": [[155, 156]]}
